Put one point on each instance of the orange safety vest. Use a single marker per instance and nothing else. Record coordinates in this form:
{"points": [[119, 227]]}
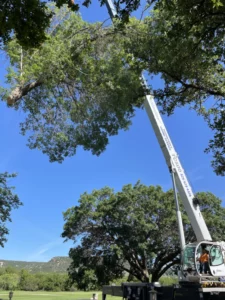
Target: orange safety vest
{"points": [[204, 258]]}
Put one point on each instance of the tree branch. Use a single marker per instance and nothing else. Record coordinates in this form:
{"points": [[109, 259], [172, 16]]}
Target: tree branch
{"points": [[194, 86], [174, 262], [19, 92]]}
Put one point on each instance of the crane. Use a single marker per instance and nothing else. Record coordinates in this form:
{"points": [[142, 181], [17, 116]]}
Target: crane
{"points": [[190, 253]]}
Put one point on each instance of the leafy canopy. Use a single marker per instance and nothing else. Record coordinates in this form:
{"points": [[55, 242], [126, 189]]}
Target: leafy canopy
{"points": [[82, 85], [28, 19], [183, 42], [132, 231], [8, 201], [79, 88]]}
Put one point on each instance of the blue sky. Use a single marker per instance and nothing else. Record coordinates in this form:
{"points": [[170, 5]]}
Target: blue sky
{"points": [[48, 189]]}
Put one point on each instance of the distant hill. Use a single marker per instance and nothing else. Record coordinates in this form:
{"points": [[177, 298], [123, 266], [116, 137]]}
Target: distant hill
{"points": [[57, 264]]}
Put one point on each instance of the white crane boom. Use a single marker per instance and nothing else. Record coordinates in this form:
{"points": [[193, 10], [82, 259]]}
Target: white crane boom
{"points": [[172, 160]]}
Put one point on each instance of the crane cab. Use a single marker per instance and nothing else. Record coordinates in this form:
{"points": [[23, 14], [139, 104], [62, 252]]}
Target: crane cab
{"points": [[192, 268]]}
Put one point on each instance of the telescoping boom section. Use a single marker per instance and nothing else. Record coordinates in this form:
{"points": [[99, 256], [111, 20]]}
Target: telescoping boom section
{"points": [[189, 201]]}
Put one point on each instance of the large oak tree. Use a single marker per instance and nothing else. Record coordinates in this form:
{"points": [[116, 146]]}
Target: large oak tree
{"points": [[134, 230]]}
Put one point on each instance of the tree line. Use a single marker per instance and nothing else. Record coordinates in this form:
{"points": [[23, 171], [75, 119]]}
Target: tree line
{"points": [[13, 279]]}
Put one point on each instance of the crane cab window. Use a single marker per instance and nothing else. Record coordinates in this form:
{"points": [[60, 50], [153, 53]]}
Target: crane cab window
{"points": [[216, 256], [189, 258]]}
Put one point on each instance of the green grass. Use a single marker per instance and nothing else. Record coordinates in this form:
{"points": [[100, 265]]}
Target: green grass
{"points": [[42, 295]]}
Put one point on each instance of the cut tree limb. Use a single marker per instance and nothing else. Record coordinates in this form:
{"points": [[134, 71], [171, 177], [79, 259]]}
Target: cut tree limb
{"points": [[21, 91]]}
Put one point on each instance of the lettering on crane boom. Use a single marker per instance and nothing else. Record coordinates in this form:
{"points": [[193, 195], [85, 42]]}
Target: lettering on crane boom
{"points": [[166, 139], [182, 175], [170, 148], [176, 161]]}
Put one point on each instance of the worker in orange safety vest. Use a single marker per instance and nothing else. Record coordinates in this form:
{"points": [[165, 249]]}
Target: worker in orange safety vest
{"points": [[204, 262]]}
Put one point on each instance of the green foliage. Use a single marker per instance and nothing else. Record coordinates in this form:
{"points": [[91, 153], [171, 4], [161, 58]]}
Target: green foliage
{"points": [[213, 213], [28, 19], [9, 270], [88, 270], [126, 229], [53, 282], [191, 64], [79, 88], [119, 281], [85, 279], [82, 85], [8, 201], [132, 231], [9, 281], [26, 281], [168, 280]]}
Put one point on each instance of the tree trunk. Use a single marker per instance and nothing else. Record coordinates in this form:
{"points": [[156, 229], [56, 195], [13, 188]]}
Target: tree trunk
{"points": [[130, 278], [155, 276], [144, 276]]}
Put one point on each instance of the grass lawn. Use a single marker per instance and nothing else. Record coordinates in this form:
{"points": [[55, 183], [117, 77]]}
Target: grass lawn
{"points": [[20, 295]]}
